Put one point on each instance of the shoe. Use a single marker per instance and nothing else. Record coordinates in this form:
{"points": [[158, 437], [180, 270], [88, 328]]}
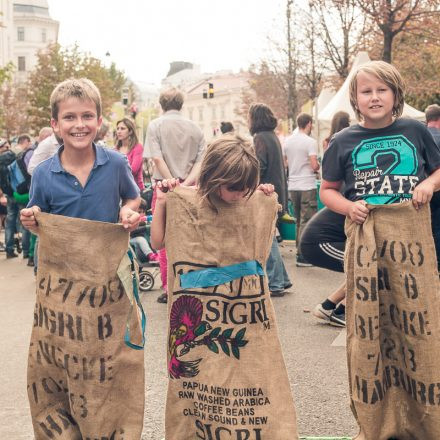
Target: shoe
{"points": [[163, 299], [277, 293], [11, 255], [288, 286], [279, 239], [302, 262], [337, 320], [25, 256], [153, 257], [2, 247], [320, 313], [287, 218], [30, 262]]}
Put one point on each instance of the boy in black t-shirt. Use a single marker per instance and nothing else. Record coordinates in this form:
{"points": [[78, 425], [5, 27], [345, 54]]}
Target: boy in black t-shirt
{"points": [[382, 159]]}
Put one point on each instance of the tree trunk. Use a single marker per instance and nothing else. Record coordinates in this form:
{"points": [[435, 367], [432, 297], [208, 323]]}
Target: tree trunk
{"points": [[387, 45]]}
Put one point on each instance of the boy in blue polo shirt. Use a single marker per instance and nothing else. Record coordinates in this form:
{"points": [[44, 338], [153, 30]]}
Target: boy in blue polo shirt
{"points": [[82, 180]]}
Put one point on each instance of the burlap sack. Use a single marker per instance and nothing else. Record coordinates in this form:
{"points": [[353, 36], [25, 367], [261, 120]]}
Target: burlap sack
{"points": [[393, 324], [227, 374], [84, 382]]}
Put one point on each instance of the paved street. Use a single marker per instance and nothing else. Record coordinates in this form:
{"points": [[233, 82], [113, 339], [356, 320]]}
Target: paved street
{"points": [[314, 353]]}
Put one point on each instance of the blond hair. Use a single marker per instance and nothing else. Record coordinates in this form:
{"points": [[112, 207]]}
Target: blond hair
{"points": [[81, 88], [389, 75], [171, 99], [230, 161]]}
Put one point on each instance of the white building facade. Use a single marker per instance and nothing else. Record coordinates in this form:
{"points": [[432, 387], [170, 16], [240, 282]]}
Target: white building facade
{"points": [[208, 113], [33, 31], [6, 26]]}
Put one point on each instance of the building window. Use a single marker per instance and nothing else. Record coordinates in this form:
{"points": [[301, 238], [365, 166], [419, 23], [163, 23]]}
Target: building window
{"points": [[223, 112], [21, 64], [20, 33], [214, 112], [200, 113], [43, 35]]}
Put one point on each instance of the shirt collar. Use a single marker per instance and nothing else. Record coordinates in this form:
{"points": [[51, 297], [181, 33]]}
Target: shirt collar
{"points": [[172, 112], [101, 157]]}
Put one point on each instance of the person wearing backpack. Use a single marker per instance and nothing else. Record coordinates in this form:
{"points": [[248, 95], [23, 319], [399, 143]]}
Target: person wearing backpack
{"points": [[19, 180], [6, 158]]}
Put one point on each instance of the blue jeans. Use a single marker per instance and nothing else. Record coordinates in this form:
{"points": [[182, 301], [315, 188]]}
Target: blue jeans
{"points": [[275, 269], [141, 245], [13, 225]]}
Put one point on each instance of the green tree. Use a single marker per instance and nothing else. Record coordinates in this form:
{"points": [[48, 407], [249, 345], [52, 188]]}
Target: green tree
{"points": [[55, 64]]}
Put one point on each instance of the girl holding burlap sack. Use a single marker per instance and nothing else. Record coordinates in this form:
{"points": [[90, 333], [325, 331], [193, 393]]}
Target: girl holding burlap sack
{"points": [[392, 282], [227, 377]]}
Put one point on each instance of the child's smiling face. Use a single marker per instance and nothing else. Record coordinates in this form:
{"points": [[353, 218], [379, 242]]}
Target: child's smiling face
{"points": [[77, 123], [375, 101]]}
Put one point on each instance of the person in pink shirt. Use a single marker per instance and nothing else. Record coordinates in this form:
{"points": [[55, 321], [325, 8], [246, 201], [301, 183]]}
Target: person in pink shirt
{"points": [[128, 144]]}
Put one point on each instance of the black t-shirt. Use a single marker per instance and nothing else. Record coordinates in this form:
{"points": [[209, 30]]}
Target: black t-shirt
{"points": [[383, 165], [324, 227]]}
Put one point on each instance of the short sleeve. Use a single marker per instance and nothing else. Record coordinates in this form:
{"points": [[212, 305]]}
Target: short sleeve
{"points": [[201, 147], [38, 192], [431, 151], [152, 142], [128, 188], [313, 148], [332, 168]]}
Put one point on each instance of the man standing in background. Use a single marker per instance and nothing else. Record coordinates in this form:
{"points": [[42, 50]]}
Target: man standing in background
{"points": [[175, 145], [301, 152]]}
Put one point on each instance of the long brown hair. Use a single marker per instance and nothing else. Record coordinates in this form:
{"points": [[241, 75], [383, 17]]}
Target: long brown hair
{"points": [[132, 136], [230, 161]]}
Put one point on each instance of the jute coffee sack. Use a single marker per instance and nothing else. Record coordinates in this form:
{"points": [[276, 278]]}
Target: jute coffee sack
{"points": [[393, 324], [84, 382], [227, 376]]}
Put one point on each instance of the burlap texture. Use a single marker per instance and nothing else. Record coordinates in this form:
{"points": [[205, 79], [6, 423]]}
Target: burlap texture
{"points": [[83, 381], [228, 378], [393, 324]]}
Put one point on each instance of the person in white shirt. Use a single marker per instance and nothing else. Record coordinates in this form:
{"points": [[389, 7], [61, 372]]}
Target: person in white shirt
{"points": [[175, 144], [301, 152]]}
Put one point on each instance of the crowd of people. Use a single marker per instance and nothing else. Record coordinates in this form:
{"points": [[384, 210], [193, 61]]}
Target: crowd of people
{"points": [[173, 148], [68, 172]]}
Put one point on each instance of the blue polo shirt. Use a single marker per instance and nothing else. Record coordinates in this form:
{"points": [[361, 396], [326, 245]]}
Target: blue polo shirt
{"points": [[56, 191]]}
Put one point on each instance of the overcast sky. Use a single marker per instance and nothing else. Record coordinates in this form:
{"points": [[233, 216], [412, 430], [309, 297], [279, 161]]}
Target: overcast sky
{"points": [[144, 36]]}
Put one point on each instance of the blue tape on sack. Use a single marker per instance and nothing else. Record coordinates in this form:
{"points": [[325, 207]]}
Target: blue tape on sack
{"points": [[215, 276]]}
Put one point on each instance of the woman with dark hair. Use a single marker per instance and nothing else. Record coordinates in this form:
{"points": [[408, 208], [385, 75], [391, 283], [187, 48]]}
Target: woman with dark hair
{"points": [[226, 127], [127, 143], [262, 124], [340, 120]]}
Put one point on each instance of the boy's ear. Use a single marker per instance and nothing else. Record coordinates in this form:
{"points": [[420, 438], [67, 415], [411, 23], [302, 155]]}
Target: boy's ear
{"points": [[54, 125], [99, 122]]}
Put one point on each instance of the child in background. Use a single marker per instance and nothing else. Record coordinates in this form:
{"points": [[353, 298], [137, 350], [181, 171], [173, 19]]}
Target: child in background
{"points": [[383, 159], [138, 238]]}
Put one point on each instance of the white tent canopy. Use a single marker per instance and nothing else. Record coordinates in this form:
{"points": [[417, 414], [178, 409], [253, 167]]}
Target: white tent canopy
{"points": [[341, 102]]}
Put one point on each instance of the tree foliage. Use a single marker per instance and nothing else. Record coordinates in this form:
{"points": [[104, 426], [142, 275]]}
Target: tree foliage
{"points": [[394, 17], [55, 64], [320, 44], [341, 27]]}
